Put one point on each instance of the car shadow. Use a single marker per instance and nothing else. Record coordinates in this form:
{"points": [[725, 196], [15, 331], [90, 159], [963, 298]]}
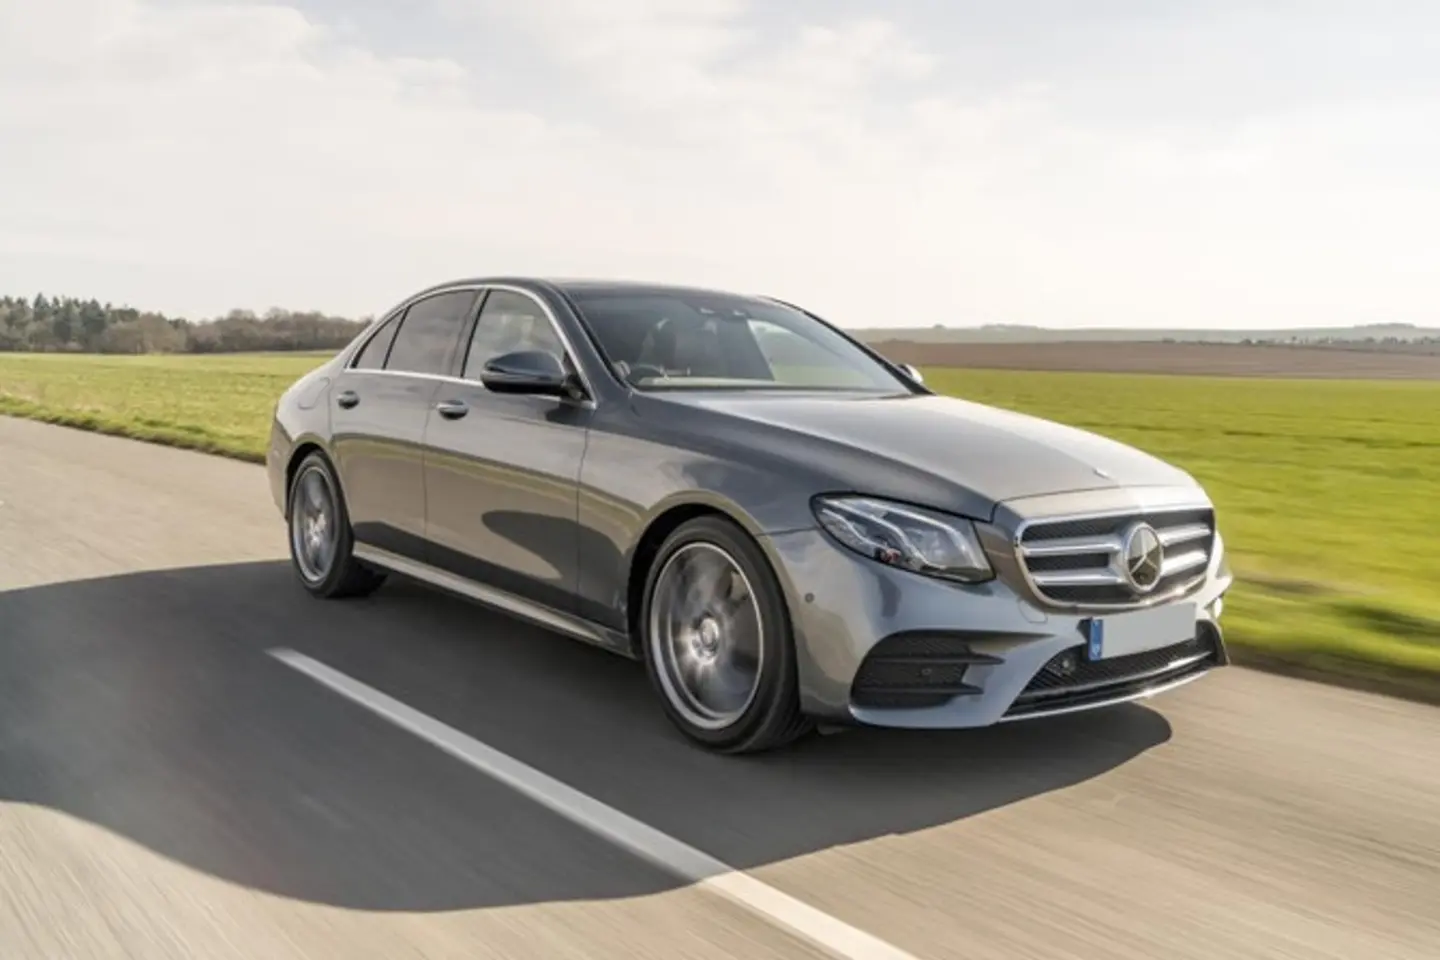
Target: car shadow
{"points": [[146, 704]]}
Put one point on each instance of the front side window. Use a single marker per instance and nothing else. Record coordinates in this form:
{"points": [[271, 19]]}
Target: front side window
{"points": [[430, 333], [509, 322], [667, 340]]}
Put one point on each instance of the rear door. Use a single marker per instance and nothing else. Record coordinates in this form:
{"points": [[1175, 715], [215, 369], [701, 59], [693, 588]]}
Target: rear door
{"points": [[380, 404], [502, 479]]}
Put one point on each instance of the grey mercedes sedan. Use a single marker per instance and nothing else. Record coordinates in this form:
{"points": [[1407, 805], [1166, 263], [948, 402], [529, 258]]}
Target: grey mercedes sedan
{"points": [[787, 529]]}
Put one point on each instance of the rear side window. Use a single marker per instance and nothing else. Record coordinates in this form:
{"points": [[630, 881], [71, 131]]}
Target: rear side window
{"points": [[372, 355], [430, 333]]}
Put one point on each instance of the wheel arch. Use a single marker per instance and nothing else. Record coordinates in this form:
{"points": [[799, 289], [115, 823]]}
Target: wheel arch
{"points": [[647, 548], [298, 453], [782, 718], [665, 519]]}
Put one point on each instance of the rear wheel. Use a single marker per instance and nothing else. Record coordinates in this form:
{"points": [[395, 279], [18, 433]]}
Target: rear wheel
{"points": [[321, 541], [717, 640]]}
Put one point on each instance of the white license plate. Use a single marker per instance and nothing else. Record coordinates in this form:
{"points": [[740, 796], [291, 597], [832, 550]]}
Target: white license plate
{"points": [[1140, 630]]}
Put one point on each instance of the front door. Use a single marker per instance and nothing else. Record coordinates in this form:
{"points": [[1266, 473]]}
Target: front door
{"points": [[502, 471], [379, 408]]}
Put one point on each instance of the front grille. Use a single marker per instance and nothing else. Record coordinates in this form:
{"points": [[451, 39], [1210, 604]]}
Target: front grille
{"points": [[923, 669], [1080, 562], [1069, 680]]}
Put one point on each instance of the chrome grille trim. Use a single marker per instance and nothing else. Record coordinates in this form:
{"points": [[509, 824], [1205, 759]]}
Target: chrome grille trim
{"points": [[1074, 545], [1185, 561], [1081, 578], [1078, 566], [1194, 531]]}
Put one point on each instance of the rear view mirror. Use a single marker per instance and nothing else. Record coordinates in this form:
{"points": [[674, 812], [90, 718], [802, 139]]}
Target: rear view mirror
{"points": [[911, 372], [528, 371]]}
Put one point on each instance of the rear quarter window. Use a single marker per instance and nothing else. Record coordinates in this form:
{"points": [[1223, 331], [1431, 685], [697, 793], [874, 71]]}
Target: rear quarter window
{"points": [[372, 355]]}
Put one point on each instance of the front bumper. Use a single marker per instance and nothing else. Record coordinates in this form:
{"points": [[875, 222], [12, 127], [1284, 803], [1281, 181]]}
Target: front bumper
{"points": [[885, 647]]}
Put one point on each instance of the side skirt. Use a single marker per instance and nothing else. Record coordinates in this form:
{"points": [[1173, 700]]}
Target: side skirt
{"points": [[542, 616]]}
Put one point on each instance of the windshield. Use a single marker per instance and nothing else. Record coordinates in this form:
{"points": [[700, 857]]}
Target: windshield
{"points": [[667, 340]]}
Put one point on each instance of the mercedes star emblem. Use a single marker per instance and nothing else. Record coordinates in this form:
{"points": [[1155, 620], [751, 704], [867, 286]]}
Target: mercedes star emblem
{"points": [[1142, 557]]}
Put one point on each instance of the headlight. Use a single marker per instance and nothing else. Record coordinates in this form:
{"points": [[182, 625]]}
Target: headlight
{"points": [[912, 538]]}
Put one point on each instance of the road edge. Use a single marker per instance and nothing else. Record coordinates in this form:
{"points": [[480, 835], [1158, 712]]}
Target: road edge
{"points": [[1365, 676]]}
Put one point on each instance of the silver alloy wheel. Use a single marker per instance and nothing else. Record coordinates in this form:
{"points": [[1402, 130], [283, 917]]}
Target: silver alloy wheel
{"points": [[706, 636], [314, 527]]}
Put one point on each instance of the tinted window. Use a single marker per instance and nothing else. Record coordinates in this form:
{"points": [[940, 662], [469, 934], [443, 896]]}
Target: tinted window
{"points": [[428, 336], [509, 322], [666, 339], [372, 355]]}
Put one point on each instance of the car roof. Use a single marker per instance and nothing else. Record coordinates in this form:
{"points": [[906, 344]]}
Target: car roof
{"points": [[635, 287], [592, 286]]}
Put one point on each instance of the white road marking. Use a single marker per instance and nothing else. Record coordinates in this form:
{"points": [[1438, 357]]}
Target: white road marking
{"points": [[644, 841]]}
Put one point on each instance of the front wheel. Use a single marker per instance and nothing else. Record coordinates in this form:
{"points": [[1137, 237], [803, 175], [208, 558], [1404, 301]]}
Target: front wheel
{"points": [[321, 541], [717, 640]]}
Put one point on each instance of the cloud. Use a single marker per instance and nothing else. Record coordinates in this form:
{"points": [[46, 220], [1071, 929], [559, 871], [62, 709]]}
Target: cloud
{"points": [[195, 156]]}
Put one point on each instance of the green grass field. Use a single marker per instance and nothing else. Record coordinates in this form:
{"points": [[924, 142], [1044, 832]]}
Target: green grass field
{"points": [[1326, 489], [219, 403]]}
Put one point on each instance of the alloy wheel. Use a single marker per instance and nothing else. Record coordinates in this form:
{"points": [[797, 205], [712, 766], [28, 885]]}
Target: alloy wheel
{"points": [[314, 526], [706, 635]]}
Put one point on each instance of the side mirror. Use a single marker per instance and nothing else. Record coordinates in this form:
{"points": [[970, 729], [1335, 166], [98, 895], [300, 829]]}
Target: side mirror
{"points": [[911, 372], [528, 371]]}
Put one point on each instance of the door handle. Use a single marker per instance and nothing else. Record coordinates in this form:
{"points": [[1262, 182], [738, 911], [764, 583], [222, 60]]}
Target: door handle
{"points": [[452, 409], [348, 399]]}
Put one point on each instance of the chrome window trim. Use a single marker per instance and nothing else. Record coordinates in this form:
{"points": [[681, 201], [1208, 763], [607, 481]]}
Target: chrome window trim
{"points": [[365, 337], [480, 288]]}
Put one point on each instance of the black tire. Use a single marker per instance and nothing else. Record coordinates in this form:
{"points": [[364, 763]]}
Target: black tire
{"points": [[343, 576], [772, 717]]}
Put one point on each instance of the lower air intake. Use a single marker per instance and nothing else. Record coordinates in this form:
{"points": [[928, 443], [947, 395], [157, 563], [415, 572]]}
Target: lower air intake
{"points": [[1069, 680], [913, 670]]}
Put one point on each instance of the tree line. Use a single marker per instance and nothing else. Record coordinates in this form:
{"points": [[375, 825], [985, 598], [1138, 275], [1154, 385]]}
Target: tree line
{"points": [[58, 324]]}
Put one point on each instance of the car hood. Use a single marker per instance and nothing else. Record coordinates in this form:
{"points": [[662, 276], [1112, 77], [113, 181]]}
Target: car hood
{"points": [[997, 454]]}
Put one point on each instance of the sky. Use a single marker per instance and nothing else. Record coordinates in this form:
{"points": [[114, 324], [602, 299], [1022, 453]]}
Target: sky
{"points": [[1152, 163]]}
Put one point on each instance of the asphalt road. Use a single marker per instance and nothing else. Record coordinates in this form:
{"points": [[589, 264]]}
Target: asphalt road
{"points": [[167, 789]]}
